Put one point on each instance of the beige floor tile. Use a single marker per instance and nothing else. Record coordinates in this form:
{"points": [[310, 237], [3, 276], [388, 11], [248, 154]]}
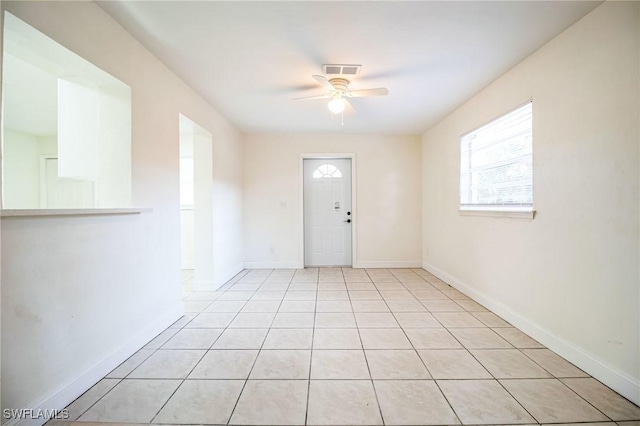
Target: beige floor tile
{"points": [[236, 295], [417, 320], [168, 364], [455, 294], [162, 338], [226, 306], [384, 338], [335, 320], [471, 306], [369, 306], [376, 320], [331, 338], [457, 319], [193, 338], [298, 306], [211, 320], [364, 295], [419, 286], [268, 295], [248, 287], [300, 295], [396, 295], [288, 338], [604, 399], [282, 364], [357, 279], [272, 402], [225, 364], [132, 401], [241, 338], [303, 286], [479, 338], [406, 306], [130, 364], [90, 397], [509, 364], [432, 338], [550, 401], [294, 320], [261, 306], [630, 423], [253, 320], [342, 402], [413, 402], [332, 286], [483, 402], [389, 285], [423, 295], [490, 319], [441, 305], [554, 363], [396, 364], [453, 364], [339, 364], [367, 286], [517, 338], [333, 306], [283, 285], [201, 402], [333, 295]]}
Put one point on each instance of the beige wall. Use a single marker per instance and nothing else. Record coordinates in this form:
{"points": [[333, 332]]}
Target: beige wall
{"points": [[80, 294], [387, 211], [570, 277]]}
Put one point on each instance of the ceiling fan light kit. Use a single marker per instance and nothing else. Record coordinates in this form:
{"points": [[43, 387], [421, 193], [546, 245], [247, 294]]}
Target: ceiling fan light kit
{"points": [[338, 87]]}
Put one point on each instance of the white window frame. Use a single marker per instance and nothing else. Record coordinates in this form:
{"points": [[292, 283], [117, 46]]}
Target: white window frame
{"points": [[514, 210]]}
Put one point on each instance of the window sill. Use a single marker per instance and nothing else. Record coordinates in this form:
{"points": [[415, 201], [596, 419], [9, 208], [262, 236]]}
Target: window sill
{"points": [[513, 213], [70, 212]]}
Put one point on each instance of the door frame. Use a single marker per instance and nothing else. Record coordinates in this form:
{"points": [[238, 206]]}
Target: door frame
{"points": [[354, 211]]}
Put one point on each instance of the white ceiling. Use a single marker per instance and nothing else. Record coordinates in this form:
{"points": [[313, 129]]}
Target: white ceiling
{"points": [[248, 59]]}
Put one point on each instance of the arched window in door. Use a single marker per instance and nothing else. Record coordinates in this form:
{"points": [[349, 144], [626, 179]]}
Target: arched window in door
{"points": [[327, 171]]}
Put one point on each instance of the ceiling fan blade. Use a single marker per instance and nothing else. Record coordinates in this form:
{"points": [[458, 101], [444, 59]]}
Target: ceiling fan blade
{"points": [[312, 97], [323, 82], [381, 91], [349, 106]]}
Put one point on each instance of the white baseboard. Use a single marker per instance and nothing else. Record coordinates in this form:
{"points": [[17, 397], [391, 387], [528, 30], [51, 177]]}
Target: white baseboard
{"points": [[72, 388], [373, 264], [621, 382], [271, 265], [361, 264]]}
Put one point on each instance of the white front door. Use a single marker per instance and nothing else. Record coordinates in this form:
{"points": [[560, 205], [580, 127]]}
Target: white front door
{"points": [[327, 212]]}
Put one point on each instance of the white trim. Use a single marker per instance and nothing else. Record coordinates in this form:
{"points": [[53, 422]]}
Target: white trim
{"points": [[72, 212], [272, 265], [510, 212], [373, 264], [354, 209], [625, 385], [72, 388]]}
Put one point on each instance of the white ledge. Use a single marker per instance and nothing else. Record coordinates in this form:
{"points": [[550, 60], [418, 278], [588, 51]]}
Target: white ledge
{"points": [[71, 212], [498, 212]]}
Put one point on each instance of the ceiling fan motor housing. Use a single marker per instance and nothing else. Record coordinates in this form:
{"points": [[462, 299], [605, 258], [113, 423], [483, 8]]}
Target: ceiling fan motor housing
{"points": [[340, 85]]}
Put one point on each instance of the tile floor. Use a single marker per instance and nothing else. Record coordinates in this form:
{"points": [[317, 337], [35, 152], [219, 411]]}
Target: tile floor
{"points": [[336, 346]]}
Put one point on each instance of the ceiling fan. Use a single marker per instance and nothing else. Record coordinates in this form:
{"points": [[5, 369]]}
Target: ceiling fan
{"points": [[339, 92]]}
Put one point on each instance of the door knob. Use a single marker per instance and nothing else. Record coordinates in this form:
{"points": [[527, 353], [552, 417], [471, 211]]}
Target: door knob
{"points": [[348, 221]]}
